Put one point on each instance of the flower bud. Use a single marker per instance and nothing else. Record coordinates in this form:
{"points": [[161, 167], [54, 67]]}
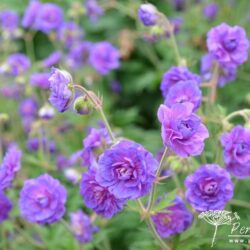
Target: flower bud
{"points": [[83, 105], [3, 118], [148, 14], [46, 112]]}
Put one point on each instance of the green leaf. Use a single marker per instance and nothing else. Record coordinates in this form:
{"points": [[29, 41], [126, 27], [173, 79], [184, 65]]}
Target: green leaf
{"points": [[165, 202]]}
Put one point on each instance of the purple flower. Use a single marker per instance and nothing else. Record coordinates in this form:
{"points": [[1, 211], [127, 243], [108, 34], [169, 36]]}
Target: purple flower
{"points": [[18, 64], [9, 20], [60, 94], [31, 13], [79, 55], [175, 220], [211, 10], [53, 59], [184, 91], [209, 188], [236, 145], [33, 145], [5, 207], [10, 166], [174, 75], [69, 34], [81, 226], [49, 17], [116, 86], [127, 169], [94, 144], [179, 5], [12, 92], [72, 175], [40, 80], [226, 74], [93, 10], [104, 57], [28, 108], [99, 198], [46, 112], [229, 45], [182, 131], [148, 14], [42, 200]]}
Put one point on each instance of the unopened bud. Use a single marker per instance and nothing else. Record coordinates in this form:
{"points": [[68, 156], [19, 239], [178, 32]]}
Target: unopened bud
{"points": [[3, 118], [46, 112], [83, 105]]}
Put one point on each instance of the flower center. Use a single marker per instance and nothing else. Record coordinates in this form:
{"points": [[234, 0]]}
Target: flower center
{"points": [[210, 187], [230, 44], [43, 201], [242, 148]]}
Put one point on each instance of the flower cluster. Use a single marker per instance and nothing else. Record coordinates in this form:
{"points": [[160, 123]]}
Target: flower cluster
{"points": [[125, 171]]}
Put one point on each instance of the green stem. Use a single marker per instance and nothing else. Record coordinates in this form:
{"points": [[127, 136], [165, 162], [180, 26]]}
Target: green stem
{"points": [[176, 50], [163, 245], [28, 39], [66, 226], [28, 238], [245, 113], [153, 191], [240, 203]]}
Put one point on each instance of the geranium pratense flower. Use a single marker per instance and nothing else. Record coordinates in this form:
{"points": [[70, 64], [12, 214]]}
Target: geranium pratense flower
{"points": [[60, 93], [98, 197], [93, 10], [42, 200], [229, 45], [28, 108], [104, 57], [81, 226], [175, 75], [226, 75], [69, 34], [17, 64], [9, 20], [209, 188], [211, 10], [31, 13], [148, 14], [127, 169], [236, 145], [94, 144], [40, 80], [182, 131], [184, 91], [53, 59], [176, 219], [10, 166], [49, 17], [5, 207]]}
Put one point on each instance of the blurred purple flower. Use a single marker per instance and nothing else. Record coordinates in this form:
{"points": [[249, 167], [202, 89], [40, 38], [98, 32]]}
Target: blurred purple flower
{"points": [[40, 80], [116, 86], [10, 166], [227, 75], [236, 145], [99, 198], [81, 226], [28, 108], [228, 45], [46, 112], [176, 219], [49, 17], [184, 91], [53, 59], [174, 75], [31, 13], [12, 92], [211, 10], [93, 10], [72, 175], [42, 200], [70, 34], [127, 169], [60, 94], [5, 207], [33, 145], [104, 57], [209, 188], [79, 55], [18, 64], [148, 14], [96, 141], [9, 20], [182, 131], [179, 5]]}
